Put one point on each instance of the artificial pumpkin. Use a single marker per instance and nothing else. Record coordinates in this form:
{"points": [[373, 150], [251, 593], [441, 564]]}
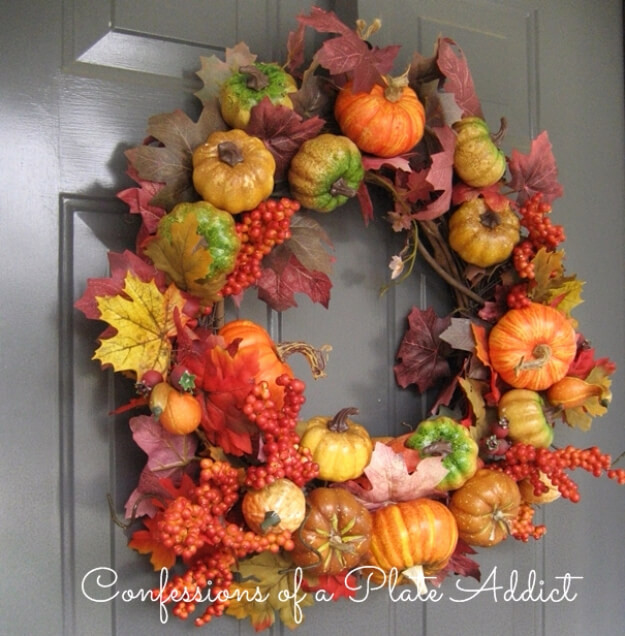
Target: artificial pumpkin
{"points": [[233, 170], [521, 413], [177, 412], [281, 505], [252, 337], [386, 121], [341, 447], [477, 159], [335, 535], [482, 236], [248, 86], [484, 507], [325, 172], [528, 491], [416, 538], [532, 347], [442, 436]]}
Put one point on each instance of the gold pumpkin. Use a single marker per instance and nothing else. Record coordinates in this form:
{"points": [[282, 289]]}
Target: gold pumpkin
{"points": [[342, 448], [233, 170], [482, 236]]}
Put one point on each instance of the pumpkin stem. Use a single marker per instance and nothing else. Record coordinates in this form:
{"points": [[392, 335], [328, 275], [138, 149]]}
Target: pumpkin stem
{"points": [[541, 354], [490, 219], [271, 519], [500, 134], [340, 187], [395, 86], [439, 448], [229, 152], [338, 424], [256, 79], [417, 576], [316, 358]]}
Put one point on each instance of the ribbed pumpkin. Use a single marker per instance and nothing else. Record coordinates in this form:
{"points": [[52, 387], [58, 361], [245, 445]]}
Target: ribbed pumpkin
{"points": [[416, 538], [252, 336], [532, 347], [386, 121]]}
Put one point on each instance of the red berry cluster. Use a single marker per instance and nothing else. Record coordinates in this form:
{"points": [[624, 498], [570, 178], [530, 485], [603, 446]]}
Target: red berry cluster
{"points": [[283, 457], [522, 527], [541, 233], [260, 230], [525, 461], [194, 526]]}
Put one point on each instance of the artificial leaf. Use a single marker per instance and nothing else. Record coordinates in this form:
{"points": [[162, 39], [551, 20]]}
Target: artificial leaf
{"points": [[295, 49], [282, 130], [458, 80], [459, 564], [390, 480], [119, 265], [139, 200], [170, 161], [144, 541], [535, 172], [283, 276], [459, 334], [184, 257], [140, 502], [421, 360], [143, 318], [474, 392], [550, 286], [309, 243], [168, 454], [268, 584], [336, 586], [348, 53], [214, 72]]}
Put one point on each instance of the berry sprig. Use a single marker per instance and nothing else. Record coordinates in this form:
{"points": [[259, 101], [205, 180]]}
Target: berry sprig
{"points": [[260, 230], [523, 461], [522, 527], [282, 454]]}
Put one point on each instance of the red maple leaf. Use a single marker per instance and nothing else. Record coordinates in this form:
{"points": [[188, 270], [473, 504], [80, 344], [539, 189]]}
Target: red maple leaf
{"points": [[138, 200], [336, 586], [421, 360], [120, 265], [282, 130], [145, 542], [458, 80], [283, 276], [535, 172], [348, 53]]}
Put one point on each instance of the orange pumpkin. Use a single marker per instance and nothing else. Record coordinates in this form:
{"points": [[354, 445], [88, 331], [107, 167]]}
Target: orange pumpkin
{"points": [[386, 121], [335, 535], [251, 336], [485, 506], [177, 412], [416, 538], [533, 347]]}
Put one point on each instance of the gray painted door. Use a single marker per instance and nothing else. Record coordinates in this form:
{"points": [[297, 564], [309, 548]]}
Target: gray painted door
{"points": [[79, 80]]}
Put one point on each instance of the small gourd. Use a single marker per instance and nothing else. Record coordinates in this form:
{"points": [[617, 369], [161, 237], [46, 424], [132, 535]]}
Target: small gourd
{"points": [[477, 159]]}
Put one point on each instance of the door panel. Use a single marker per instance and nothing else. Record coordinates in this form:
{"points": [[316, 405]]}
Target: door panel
{"points": [[100, 70]]}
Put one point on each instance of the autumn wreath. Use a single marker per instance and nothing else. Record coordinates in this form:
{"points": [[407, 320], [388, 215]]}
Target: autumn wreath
{"points": [[249, 503]]}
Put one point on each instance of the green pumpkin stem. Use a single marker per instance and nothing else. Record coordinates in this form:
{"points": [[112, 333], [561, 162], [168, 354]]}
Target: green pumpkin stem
{"points": [[256, 79], [340, 187], [230, 153], [338, 424]]}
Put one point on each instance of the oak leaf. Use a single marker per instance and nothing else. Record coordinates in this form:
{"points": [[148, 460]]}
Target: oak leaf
{"points": [[143, 318]]}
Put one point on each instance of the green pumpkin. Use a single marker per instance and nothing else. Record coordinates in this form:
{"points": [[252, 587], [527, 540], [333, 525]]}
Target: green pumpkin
{"points": [[325, 172], [477, 159], [248, 86]]}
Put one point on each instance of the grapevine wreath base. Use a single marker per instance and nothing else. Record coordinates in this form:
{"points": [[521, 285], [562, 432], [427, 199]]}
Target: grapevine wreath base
{"points": [[238, 494]]}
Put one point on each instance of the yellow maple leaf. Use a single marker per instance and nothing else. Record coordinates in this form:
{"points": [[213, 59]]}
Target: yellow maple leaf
{"points": [[143, 318], [552, 287], [184, 257]]}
